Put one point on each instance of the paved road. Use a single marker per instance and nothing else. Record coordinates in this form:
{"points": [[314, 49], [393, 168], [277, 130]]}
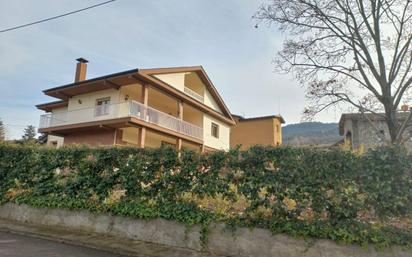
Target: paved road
{"points": [[12, 245]]}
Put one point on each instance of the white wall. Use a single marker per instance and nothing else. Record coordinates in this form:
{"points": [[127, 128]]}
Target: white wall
{"points": [[59, 110], [176, 80], [81, 107], [55, 139], [58, 117], [221, 143], [210, 101], [89, 100]]}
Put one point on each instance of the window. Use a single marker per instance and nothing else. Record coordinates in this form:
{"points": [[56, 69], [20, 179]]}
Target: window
{"points": [[102, 106], [103, 101], [215, 130]]}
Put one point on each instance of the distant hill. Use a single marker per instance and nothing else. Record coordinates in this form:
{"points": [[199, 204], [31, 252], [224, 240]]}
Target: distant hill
{"points": [[310, 133]]}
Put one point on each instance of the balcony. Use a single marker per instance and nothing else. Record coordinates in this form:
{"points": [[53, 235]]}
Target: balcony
{"points": [[193, 94], [121, 110]]}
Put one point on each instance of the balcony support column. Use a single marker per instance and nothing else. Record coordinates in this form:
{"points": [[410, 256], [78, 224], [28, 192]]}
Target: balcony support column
{"points": [[178, 144], [180, 116], [145, 99], [180, 110], [142, 137], [145, 94]]}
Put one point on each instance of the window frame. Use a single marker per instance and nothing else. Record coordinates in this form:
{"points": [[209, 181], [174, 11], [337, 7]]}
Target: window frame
{"points": [[214, 125], [104, 101]]}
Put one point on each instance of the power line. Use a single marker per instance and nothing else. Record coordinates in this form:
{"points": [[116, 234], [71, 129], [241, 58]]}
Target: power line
{"points": [[16, 125], [55, 17]]}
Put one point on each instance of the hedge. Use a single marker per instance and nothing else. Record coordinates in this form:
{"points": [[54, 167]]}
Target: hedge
{"points": [[302, 192]]}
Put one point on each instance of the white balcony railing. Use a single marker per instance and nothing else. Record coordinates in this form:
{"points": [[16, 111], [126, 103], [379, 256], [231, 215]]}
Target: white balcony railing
{"points": [[121, 110], [194, 94], [162, 119]]}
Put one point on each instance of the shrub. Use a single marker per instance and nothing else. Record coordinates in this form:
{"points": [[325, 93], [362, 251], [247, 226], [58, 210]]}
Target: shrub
{"points": [[302, 192], [386, 176]]}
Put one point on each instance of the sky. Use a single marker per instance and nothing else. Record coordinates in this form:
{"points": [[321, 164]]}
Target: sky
{"points": [[127, 34]]}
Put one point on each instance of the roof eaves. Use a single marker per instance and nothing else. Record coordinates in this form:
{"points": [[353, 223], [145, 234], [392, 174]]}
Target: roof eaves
{"points": [[52, 103], [92, 80], [209, 81], [261, 118]]}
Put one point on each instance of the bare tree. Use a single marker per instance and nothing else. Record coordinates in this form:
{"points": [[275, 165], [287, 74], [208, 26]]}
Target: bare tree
{"points": [[348, 53]]}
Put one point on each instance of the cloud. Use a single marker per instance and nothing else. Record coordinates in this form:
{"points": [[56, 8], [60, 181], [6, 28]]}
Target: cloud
{"points": [[125, 34]]}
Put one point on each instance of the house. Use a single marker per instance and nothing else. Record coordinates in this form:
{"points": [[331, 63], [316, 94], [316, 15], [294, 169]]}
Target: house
{"points": [[139, 107], [367, 130], [266, 130]]}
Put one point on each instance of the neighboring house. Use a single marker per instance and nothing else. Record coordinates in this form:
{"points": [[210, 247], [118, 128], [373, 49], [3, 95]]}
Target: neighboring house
{"points": [[365, 131], [266, 130], [139, 107]]}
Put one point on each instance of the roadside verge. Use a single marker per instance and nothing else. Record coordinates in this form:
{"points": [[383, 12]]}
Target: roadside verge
{"points": [[96, 241], [160, 237]]}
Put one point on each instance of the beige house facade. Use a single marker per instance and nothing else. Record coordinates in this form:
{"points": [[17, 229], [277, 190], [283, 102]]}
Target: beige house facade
{"points": [[139, 107], [265, 130]]}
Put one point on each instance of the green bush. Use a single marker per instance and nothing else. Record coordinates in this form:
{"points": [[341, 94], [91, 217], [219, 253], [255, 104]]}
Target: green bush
{"points": [[301, 192], [386, 175]]}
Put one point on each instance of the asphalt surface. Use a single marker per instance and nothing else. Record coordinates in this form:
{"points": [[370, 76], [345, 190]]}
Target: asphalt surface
{"points": [[13, 245]]}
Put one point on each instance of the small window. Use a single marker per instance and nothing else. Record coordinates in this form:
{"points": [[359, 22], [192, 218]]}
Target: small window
{"points": [[102, 106], [215, 130], [103, 101]]}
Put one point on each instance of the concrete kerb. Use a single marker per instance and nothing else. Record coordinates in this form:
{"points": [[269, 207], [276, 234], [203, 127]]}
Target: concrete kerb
{"points": [[117, 245], [243, 242]]}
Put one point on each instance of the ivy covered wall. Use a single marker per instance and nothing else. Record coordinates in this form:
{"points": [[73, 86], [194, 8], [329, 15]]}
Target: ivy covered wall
{"points": [[301, 192]]}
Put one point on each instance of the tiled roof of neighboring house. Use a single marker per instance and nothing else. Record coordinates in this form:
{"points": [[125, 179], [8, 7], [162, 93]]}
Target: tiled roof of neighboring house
{"points": [[366, 117], [241, 118]]}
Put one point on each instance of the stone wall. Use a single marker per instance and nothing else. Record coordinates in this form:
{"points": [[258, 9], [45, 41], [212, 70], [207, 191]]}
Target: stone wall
{"points": [[366, 136], [242, 242]]}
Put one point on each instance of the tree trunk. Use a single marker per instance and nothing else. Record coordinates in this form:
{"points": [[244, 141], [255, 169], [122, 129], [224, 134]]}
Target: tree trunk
{"points": [[392, 122]]}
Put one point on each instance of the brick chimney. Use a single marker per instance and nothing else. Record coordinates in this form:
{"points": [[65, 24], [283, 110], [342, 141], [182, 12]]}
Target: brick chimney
{"points": [[81, 69]]}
